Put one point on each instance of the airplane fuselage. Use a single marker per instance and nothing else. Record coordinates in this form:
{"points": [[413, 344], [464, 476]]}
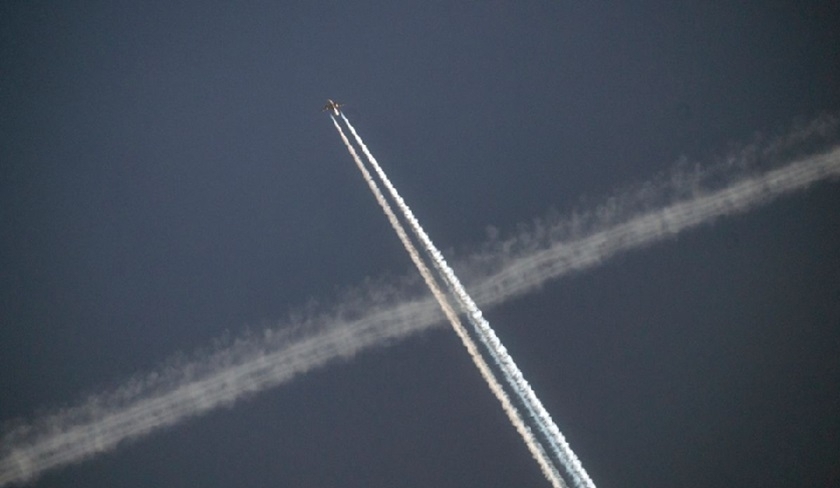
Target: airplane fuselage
{"points": [[332, 106]]}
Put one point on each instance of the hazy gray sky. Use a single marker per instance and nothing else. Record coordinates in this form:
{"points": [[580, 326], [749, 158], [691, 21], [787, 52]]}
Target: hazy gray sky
{"points": [[167, 180]]}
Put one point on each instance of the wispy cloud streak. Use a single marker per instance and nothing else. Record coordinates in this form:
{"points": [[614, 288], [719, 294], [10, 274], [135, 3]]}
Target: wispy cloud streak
{"points": [[255, 363], [527, 272]]}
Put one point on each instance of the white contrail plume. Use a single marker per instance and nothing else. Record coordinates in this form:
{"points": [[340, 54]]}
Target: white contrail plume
{"points": [[170, 396], [254, 363], [521, 274], [511, 371], [531, 442]]}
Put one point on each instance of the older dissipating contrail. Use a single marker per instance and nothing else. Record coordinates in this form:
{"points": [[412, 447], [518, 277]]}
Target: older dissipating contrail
{"points": [[500, 270]]}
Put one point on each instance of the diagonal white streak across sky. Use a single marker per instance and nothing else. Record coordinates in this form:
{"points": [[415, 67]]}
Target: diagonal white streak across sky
{"points": [[536, 448], [164, 398], [541, 418]]}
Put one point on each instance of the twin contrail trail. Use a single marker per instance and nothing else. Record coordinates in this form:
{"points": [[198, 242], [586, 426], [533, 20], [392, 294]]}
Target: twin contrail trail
{"points": [[261, 361], [513, 414], [516, 381]]}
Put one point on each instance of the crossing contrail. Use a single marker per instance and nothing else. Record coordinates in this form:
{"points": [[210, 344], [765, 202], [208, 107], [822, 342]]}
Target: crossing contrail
{"points": [[542, 420], [257, 362], [536, 448]]}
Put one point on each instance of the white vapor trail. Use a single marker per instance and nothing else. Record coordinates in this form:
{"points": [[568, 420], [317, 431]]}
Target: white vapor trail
{"points": [[537, 451], [255, 363], [523, 274], [559, 446]]}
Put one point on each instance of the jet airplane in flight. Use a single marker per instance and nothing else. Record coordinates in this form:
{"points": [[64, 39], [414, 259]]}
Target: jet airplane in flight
{"points": [[333, 106]]}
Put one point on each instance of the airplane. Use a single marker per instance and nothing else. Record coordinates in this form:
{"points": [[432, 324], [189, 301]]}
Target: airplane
{"points": [[331, 106]]}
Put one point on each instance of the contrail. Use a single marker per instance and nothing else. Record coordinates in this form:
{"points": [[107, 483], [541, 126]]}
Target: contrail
{"points": [[255, 363], [559, 446], [525, 273], [537, 451]]}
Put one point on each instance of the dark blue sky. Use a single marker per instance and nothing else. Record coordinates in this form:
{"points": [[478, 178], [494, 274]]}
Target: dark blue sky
{"points": [[167, 179]]}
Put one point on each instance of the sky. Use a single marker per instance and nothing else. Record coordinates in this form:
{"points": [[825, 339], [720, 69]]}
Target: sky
{"points": [[168, 183]]}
